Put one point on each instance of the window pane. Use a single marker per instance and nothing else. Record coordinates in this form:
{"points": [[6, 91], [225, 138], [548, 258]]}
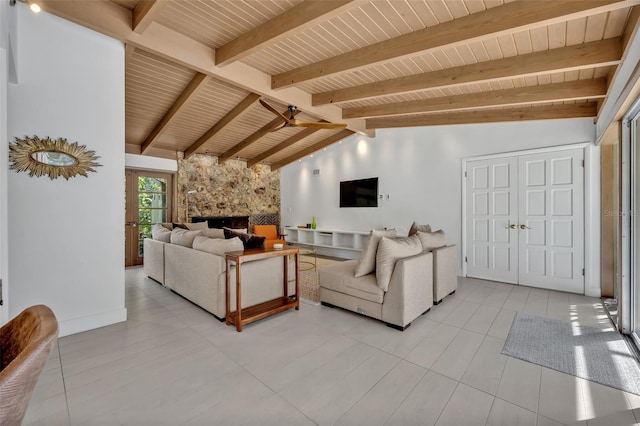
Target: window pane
{"points": [[146, 199], [144, 231], [151, 216], [151, 184]]}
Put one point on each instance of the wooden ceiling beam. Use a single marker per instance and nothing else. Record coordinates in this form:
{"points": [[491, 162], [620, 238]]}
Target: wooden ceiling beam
{"points": [[199, 81], [487, 116], [145, 13], [252, 138], [282, 145], [108, 18], [229, 118], [588, 55], [511, 17], [556, 92], [295, 20], [313, 148]]}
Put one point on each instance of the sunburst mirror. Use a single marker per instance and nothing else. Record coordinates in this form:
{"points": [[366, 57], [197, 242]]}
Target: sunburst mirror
{"points": [[54, 158]]}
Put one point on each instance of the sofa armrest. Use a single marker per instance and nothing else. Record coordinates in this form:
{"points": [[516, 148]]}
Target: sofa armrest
{"points": [[153, 260], [445, 271], [410, 291]]}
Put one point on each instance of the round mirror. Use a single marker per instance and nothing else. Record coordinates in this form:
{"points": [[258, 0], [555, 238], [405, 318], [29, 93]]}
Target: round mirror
{"points": [[54, 158]]}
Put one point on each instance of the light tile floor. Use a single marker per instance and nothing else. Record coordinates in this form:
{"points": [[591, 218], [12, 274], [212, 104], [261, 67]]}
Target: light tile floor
{"points": [[172, 363]]}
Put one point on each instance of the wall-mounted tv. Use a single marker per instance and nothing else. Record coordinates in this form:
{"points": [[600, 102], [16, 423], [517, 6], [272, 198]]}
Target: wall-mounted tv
{"points": [[359, 193]]}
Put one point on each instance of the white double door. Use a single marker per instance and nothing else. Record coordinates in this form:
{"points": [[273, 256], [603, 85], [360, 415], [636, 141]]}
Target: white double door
{"points": [[525, 220]]}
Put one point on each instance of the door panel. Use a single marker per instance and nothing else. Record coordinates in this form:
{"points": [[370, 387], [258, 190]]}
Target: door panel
{"points": [[148, 201], [491, 212], [552, 221], [526, 221]]}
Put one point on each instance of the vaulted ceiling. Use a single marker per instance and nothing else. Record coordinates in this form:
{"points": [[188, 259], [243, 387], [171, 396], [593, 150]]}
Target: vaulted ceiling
{"points": [[196, 69]]}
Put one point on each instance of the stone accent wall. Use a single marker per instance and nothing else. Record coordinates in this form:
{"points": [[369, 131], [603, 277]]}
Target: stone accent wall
{"points": [[230, 189]]}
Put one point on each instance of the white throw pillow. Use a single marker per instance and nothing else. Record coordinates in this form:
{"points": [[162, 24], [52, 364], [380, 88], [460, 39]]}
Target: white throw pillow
{"points": [[415, 228], [367, 262], [432, 240], [160, 233], [216, 245], [213, 233], [184, 237], [197, 226], [389, 251]]}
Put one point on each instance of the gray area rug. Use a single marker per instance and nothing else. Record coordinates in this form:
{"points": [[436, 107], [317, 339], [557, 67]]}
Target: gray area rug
{"points": [[587, 352]]}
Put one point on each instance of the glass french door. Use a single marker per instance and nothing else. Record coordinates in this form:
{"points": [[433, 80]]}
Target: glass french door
{"points": [[148, 201], [634, 296]]}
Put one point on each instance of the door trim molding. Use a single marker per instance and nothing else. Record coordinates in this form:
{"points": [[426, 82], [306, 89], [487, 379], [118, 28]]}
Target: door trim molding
{"points": [[591, 207]]}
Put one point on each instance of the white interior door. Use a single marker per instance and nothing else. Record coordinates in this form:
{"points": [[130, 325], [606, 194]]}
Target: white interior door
{"points": [[525, 220], [492, 218], [551, 220]]}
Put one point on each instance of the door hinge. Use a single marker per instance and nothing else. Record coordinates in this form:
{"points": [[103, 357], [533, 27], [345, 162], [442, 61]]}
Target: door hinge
{"points": [[465, 174], [465, 258], [582, 163], [583, 272]]}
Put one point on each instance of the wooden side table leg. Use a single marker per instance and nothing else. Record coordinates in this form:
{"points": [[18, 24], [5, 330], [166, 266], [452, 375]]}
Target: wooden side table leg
{"points": [[297, 282], [227, 293], [238, 298], [285, 273]]}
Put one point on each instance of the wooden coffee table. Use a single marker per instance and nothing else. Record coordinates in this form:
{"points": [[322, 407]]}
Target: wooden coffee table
{"points": [[242, 316]]}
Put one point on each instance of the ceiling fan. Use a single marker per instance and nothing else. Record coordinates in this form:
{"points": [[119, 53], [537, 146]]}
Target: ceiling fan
{"points": [[292, 122]]}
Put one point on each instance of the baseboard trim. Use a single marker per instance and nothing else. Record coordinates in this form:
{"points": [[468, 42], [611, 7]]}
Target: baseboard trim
{"points": [[90, 322]]}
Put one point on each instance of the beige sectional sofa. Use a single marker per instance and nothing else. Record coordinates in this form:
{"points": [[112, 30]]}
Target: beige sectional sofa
{"points": [[199, 276], [396, 280]]}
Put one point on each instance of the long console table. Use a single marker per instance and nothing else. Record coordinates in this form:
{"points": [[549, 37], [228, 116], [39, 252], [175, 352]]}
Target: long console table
{"points": [[271, 307]]}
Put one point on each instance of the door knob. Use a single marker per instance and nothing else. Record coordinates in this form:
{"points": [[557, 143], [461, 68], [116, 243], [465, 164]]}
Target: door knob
{"points": [[512, 226], [523, 226]]}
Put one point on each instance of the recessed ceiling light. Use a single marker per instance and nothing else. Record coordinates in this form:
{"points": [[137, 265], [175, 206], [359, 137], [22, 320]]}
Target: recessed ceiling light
{"points": [[35, 7]]}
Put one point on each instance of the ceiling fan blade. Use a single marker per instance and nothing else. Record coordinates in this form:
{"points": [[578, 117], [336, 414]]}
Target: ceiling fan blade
{"points": [[273, 110], [330, 126]]}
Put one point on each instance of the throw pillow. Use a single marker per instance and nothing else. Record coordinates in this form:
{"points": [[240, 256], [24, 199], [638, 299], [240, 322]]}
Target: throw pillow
{"points": [[432, 240], [389, 251], [216, 245], [250, 241], [160, 233], [168, 225], [184, 237], [367, 262], [415, 228], [179, 225], [213, 233], [197, 226]]}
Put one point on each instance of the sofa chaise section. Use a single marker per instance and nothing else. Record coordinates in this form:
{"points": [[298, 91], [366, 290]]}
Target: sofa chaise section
{"points": [[409, 295]]}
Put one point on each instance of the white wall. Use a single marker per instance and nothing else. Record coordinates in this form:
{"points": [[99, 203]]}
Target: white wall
{"points": [[66, 238], [144, 162], [420, 169]]}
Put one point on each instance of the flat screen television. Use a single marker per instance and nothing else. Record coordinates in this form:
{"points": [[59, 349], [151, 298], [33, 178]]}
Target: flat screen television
{"points": [[359, 193]]}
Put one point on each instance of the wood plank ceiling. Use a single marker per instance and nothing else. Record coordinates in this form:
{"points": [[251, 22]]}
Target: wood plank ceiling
{"points": [[196, 69]]}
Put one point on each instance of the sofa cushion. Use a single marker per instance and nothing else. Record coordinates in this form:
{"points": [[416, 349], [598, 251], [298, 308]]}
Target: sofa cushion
{"points": [[179, 225], [213, 233], [367, 263], [250, 241], [432, 240], [216, 245], [340, 277], [184, 237], [415, 228], [389, 251], [160, 233], [197, 226]]}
